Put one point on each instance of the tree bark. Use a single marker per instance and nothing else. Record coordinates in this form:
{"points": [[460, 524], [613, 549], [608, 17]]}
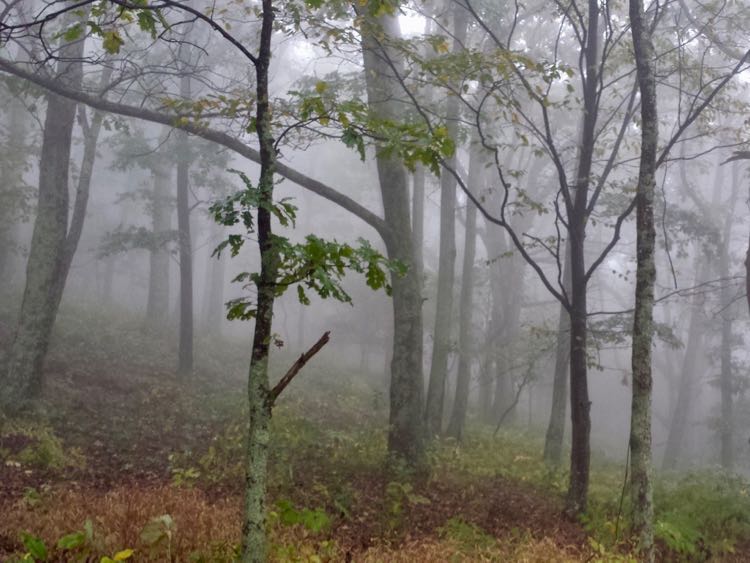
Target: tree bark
{"points": [[11, 172], [643, 326], [406, 434], [185, 353], [157, 307], [417, 219], [726, 374], [23, 379], [213, 295], [254, 540], [725, 378], [441, 347], [553, 441], [580, 405], [693, 350], [466, 340]]}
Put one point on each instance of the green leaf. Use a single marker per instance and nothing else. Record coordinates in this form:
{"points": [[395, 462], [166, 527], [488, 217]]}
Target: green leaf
{"points": [[35, 546], [124, 554], [157, 529], [72, 541], [111, 41], [74, 32]]}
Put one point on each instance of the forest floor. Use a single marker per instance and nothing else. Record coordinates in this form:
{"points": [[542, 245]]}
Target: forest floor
{"points": [[124, 456]]}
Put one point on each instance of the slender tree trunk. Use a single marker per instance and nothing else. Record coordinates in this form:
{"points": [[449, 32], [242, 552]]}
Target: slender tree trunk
{"points": [[643, 327], [417, 215], [435, 407], [254, 540], [91, 132], [726, 375], [553, 442], [11, 172], [157, 307], [693, 351], [727, 424], [213, 297], [405, 436], [23, 379], [466, 340], [185, 354], [580, 404], [485, 386]]}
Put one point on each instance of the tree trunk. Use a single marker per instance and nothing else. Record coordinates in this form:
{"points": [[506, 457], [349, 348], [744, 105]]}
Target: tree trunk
{"points": [[726, 375], [405, 435], [90, 140], [157, 307], [466, 340], [254, 540], [435, 407], [553, 442], [185, 353], [693, 351], [643, 326], [485, 390], [580, 405], [213, 295], [417, 218], [11, 172], [725, 378], [23, 379]]}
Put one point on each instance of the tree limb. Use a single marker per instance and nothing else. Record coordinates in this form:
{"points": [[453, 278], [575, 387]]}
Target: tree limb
{"points": [[219, 137], [297, 366]]}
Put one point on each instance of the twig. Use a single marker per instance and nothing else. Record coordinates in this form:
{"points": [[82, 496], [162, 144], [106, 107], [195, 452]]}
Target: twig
{"points": [[297, 366]]}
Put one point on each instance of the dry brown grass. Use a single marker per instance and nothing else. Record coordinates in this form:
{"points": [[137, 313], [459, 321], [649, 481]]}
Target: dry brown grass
{"points": [[211, 527], [432, 550], [119, 516]]}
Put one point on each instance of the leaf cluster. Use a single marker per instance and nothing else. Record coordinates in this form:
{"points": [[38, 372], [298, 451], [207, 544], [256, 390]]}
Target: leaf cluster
{"points": [[315, 265]]}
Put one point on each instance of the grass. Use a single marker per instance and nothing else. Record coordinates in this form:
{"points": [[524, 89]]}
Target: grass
{"points": [[154, 465]]}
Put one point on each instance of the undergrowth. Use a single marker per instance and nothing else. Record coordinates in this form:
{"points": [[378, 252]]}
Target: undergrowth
{"points": [[333, 495]]}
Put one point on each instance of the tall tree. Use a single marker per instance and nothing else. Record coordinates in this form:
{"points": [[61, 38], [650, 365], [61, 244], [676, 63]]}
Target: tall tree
{"points": [[406, 435], [435, 407], [553, 440], [157, 306], [466, 345], [185, 353], [47, 254], [643, 326]]}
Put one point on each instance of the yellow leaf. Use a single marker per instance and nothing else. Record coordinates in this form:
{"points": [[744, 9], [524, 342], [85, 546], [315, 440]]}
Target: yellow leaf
{"points": [[124, 554], [321, 87]]}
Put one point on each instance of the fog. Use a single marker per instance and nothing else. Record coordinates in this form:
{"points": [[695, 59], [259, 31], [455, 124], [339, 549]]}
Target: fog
{"points": [[469, 174]]}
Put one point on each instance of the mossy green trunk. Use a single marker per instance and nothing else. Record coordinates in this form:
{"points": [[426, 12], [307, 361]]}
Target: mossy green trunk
{"points": [[22, 380], [643, 327], [254, 539]]}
